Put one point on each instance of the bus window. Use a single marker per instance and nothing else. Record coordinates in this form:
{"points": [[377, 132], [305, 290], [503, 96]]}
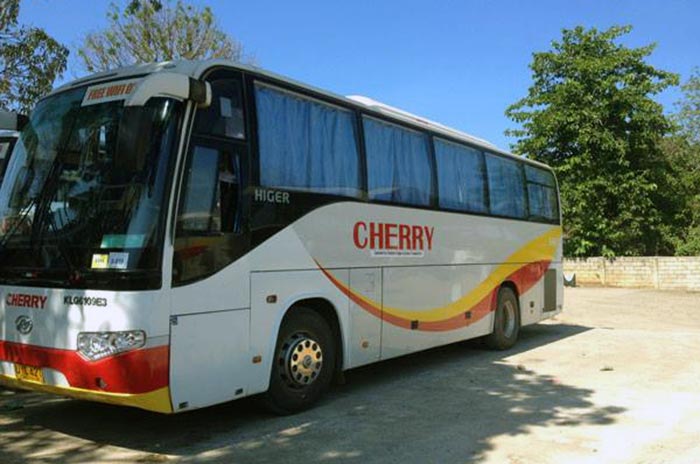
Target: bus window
{"points": [[224, 117], [209, 219], [398, 163], [506, 187], [461, 177], [542, 194], [198, 214], [305, 144]]}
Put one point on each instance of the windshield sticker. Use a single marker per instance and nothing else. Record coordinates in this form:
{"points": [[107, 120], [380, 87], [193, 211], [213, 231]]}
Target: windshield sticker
{"points": [[118, 260], [100, 261], [113, 91], [123, 241]]}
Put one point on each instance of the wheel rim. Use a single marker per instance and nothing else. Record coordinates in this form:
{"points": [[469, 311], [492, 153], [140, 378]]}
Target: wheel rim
{"points": [[302, 358], [508, 319]]}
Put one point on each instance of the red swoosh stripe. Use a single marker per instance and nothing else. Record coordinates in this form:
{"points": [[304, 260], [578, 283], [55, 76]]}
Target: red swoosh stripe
{"points": [[138, 371], [524, 278]]}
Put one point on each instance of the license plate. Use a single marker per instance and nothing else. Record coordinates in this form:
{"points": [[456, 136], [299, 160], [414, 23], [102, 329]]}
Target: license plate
{"points": [[29, 373]]}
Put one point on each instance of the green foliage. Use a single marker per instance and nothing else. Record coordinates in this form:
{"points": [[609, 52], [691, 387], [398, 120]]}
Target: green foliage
{"points": [[589, 114], [149, 31], [30, 61], [688, 116], [682, 151]]}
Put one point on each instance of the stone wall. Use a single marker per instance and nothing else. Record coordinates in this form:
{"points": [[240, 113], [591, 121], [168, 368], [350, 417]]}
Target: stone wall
{"points": [[662, 272]]}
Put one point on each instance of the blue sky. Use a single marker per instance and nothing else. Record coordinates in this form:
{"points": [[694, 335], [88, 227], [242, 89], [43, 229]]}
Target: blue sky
{"points": [[460, 63]]}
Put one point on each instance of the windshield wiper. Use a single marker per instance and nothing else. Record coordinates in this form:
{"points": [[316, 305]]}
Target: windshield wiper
{"points": [[74, 275], [22, 218], [44, 214]]}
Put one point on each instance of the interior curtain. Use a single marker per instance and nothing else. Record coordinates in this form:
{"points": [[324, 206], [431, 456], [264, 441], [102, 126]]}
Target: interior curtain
{"points": [[461, 178], [398, 164], [306, 145], [506, 187]]}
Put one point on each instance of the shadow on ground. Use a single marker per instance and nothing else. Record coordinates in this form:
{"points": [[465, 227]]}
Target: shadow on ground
{"points": [[443, 405]]}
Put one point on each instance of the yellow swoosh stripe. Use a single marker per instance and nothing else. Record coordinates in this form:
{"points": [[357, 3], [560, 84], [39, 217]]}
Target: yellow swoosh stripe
{"points": [[540, 249], [157, 400]]}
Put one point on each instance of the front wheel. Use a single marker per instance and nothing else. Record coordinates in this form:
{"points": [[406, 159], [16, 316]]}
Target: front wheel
{"points": [[304, 362], [506, 326]]}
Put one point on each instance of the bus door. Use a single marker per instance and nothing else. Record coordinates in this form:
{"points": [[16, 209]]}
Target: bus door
{"points": [[210, 309]]}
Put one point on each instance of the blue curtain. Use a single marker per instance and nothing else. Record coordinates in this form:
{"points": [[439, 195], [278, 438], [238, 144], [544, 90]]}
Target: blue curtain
{"points": [[398, 164], [506, 187], [541, 193], [306, 145], [461, 178], [539, 175]]}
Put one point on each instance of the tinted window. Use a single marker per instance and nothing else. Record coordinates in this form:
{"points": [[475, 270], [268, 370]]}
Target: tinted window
{"points": [[398, 164], [542, 194], [305, 144], [461, 177], [224, 117], [198, 213], [506, 186], [209, 219]]}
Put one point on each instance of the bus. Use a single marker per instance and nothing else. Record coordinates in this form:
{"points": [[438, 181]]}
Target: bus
{"points": [[183, 234]]}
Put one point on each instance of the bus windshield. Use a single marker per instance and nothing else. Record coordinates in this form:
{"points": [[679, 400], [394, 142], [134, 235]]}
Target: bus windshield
{"points": [[82, 203]]}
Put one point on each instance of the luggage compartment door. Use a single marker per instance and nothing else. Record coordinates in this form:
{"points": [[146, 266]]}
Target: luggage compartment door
{"points": [[365, 328], [209, 354]]}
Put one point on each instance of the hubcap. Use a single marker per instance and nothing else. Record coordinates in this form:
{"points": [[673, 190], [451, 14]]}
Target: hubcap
{"points": [[302, 358], [508, 319]]}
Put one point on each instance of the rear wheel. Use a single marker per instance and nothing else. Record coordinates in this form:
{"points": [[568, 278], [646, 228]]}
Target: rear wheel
{"points": [[507, 321], [304, 362]]}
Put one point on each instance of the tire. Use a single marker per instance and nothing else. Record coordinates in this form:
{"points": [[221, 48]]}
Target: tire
{"points": [[506, 326], [297, 383]]}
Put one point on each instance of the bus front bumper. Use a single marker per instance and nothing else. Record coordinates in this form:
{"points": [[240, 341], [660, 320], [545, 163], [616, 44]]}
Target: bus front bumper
{"points": [[136, 378]]}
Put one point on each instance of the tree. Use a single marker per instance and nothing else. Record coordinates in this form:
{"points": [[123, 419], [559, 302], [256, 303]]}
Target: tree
{"points": [[688, 116], [590, 115], [149, 31], [682, 150], [30, 61]]}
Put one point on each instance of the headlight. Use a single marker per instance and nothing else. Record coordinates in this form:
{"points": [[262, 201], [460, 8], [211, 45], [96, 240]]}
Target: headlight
{"points": [[98, 345]]}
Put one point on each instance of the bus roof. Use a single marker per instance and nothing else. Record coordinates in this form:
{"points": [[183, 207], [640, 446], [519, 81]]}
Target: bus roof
{"points": [[196, 69]]}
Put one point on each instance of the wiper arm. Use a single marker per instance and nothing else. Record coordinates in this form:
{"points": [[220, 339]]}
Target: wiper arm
{"points": [[22, 218], [73, 272]]}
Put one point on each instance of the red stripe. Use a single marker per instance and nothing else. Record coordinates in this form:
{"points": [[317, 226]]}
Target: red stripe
{"points": [[375, 311], [138, 371], [527, 276], [524, 278], [476, 313]]}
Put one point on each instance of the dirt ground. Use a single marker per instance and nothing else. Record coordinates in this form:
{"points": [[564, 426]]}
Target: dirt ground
{"points": [[613, 379]]}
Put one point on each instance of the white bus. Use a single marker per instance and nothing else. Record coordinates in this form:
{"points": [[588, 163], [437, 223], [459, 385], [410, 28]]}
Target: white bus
{"points": [[183, 234]]}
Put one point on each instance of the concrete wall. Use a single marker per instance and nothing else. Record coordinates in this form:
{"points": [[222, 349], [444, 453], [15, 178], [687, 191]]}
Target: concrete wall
{"points": [[665, 273]]}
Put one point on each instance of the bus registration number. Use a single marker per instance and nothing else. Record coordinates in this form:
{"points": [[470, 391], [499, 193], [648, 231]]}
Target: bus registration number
{"points": [[29, 373]]}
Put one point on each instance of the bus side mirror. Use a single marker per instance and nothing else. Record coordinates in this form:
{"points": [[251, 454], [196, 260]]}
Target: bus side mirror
{"points": [[12, 121], [171, 85]]}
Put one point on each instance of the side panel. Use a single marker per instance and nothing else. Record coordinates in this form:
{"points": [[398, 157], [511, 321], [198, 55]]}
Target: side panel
{"points": [[436, 305], [532, 304], [272, 295], [209, 358], [365, 329]]}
